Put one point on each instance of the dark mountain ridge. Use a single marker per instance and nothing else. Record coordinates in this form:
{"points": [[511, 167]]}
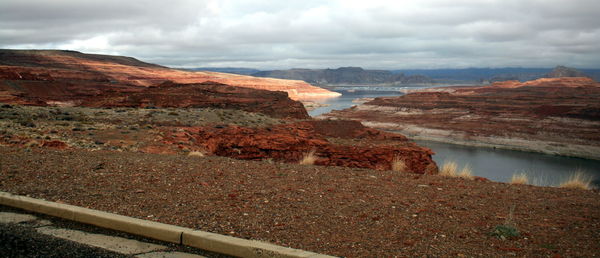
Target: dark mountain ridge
{"points": [[478, 75], [345, 76]]}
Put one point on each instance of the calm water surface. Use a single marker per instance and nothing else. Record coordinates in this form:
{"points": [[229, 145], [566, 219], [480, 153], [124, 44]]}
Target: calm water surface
{"points": [[494, 164], [500, 165]]}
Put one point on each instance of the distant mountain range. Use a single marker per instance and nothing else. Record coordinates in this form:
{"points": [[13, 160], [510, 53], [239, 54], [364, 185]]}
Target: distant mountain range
{"points": [[359, 76], [478, 75], [345, 76], [235, 70]]}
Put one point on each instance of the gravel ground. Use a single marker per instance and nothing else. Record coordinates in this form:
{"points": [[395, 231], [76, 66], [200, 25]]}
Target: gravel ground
{"points": [[333, 210]]}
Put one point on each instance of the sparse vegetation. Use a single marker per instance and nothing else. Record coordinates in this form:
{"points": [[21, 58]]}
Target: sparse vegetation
{"points": [[398, 164], [505, 232], [508, 230], [309, 158], [519, 179], [196, 154], [466, 172], [448, 169], [578, 180]]}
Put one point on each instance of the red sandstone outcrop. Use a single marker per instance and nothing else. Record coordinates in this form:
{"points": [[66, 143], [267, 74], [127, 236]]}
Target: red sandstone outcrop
{"points": [[550, 115], [201, 95], [289, 142], [73, 66], [73, 79]]}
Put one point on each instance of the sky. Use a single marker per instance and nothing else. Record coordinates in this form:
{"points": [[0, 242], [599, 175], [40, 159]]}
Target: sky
{"points": [[277, 34]]}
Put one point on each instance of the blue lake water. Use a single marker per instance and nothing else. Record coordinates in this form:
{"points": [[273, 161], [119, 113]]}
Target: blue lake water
{"points": [[494, 164]]}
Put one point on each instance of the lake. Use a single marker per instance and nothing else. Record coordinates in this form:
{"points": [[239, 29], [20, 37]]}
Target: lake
{"points": [[494, 164]]}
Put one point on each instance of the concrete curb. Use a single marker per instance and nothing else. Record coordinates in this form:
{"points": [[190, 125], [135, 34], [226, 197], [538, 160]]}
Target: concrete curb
{"points": [[164, 232]]}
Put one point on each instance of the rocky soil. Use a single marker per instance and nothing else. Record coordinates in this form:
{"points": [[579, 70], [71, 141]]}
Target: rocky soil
{"points": [[222, 132], [550, 115], [334, 210]]}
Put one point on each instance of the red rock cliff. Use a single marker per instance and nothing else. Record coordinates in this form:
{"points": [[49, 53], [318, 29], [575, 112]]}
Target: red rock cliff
{"points": [[75, 66], [289, 142], [550, 115]]}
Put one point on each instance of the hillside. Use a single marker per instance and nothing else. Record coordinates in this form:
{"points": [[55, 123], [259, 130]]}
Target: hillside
{"points": [[234, 70], [119, 71], [477, 75], [345, 76], [548, 115]]}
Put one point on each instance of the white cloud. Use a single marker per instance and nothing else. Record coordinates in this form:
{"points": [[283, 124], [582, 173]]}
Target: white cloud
{"points": [[311, 33]]}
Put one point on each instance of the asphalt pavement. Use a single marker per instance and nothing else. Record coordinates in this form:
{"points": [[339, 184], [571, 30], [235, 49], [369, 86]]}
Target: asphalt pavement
{"points": [[25, 234]]}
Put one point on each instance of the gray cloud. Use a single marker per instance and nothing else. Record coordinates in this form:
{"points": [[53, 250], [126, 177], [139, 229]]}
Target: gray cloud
{"points": [[284, 34]]}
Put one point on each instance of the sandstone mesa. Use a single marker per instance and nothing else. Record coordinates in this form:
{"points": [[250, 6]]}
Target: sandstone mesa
{"points": [[549, 115]]}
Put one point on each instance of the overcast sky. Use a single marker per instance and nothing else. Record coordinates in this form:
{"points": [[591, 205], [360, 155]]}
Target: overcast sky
{"points": [[280, 34]]}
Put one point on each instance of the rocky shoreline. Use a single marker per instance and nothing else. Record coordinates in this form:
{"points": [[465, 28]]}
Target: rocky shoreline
{"points": [[558, 116], [415, 132]]}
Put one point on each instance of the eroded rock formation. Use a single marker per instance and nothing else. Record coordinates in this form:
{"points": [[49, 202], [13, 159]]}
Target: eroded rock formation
{"points": [[115, 71], [201, 95], [369, 148], [550, 115]]}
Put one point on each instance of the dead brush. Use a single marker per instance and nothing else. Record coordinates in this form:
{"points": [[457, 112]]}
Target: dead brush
{"points": [[578, 180], [398, 164], [198, 154], [448, 169], [519, 179], [466, 172], [309, 158]]}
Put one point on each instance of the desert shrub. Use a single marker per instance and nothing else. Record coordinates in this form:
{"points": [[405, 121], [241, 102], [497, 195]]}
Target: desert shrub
{"points": [[578, 180], [308, 158], [466, 172], [398, 164], [519, 179], [448, 169], [196, 154], [508, 230], [505, 232]]}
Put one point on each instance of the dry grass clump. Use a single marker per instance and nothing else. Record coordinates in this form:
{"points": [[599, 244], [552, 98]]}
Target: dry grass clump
{"points": [[466, 172], [398, 164], [196, 154], [519, 179], [309, 158], [578, 180], [448, 169]]}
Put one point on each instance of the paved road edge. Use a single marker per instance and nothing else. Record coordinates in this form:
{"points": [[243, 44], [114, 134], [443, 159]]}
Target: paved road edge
{"points": [[160, 231]]}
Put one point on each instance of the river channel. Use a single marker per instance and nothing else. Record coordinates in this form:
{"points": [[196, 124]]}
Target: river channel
{"points": [[494, 164]]}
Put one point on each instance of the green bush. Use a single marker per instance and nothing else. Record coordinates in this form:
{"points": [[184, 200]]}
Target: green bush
{"points": [[505, 232]]}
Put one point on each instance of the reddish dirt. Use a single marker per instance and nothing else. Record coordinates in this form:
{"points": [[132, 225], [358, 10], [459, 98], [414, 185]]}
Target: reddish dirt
{"points": [[181, 130], [290, 142], [75, 67], [333, 210], [545, 109]]}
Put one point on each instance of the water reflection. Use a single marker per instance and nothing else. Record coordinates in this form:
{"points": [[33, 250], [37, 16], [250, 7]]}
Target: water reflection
{"points": [[500, 165], [348, 95]]}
